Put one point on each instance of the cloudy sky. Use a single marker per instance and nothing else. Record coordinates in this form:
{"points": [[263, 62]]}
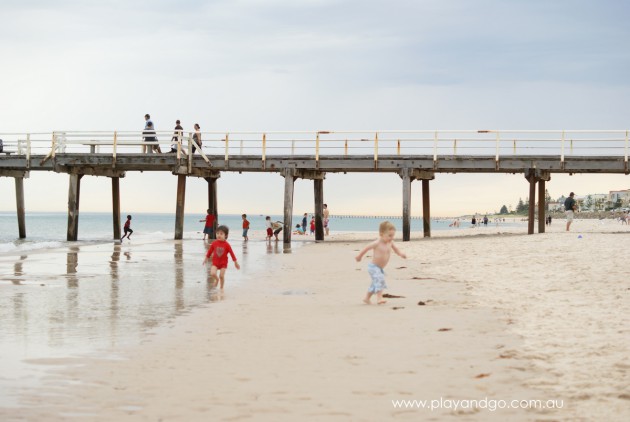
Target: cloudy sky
{"points": [[312, 65]]}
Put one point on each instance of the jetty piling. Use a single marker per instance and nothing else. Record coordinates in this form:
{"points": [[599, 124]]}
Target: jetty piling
{"points": [[213, 204], [116, 207], [289, 184], [74, 190], [19, 200], [426, 208], [179, 206], [318, 187]]}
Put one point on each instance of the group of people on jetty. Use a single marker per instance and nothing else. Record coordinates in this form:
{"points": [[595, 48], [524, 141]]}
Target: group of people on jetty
{"points": [[149, 135]]}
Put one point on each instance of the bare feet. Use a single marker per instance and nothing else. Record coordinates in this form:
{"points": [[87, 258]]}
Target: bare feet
{"points": [[380, 302], [367, 301]]}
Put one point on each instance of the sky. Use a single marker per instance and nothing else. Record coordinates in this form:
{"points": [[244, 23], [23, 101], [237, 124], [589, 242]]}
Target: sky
{"points": [[266, 65]]}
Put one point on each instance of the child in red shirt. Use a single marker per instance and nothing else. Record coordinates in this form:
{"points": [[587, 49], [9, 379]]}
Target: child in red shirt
{"points": [[128, 231], [245, 227], [219, 250], [209, 227]]}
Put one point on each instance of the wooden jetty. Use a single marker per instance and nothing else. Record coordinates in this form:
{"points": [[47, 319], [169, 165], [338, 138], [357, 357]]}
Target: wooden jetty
{"points": [[413, 155]]}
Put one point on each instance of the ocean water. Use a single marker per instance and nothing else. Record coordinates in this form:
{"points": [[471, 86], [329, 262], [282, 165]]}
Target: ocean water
{"points": [[48, 229]]}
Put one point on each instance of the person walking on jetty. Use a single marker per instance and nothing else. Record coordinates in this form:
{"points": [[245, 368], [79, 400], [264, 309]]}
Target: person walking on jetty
{"points": [[218, 253], [382, 248], [177, 136], [196, 138], [127, 228], [150, 136], [208, 229], [245, 227], [569, 208]]}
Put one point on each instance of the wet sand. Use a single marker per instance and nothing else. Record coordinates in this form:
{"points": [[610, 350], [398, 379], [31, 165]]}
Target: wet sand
{"points": [[506, 317]]}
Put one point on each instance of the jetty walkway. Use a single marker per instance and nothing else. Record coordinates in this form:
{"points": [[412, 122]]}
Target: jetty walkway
{"points": [[412, 154]]}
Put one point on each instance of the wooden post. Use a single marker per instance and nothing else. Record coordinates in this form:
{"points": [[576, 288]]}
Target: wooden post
{"points": [[116, 206], [406, 213], [179, 207], [213, 203], [541, 206], [532, 201], [289, 180], [319, 208], [73, 207], [19, 200], [426, 208]]}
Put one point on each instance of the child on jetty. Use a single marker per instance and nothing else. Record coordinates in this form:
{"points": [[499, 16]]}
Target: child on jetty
{"points": [[382, 250], [128, 231], [219, 250]]}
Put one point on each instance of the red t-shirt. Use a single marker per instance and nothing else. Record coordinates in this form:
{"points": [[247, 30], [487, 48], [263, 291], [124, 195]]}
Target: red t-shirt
{"points": [[245, 224], [209, 220], [127, 224], [221, 250]]}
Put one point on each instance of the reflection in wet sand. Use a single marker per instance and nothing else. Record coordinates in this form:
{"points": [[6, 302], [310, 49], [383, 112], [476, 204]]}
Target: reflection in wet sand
{"points": [[114, 292], [18, 270], [72, 262], [273, 248], [53, 307], [180, 303]]}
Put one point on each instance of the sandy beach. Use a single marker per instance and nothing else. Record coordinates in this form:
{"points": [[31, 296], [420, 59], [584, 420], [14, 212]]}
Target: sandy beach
{"points": [[504, 317]]}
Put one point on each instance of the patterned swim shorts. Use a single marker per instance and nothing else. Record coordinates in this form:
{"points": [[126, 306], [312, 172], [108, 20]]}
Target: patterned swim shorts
{"points": [[378, 278]]}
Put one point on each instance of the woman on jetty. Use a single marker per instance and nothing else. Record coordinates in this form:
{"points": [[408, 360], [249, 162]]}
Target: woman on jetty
{"points": [[196, 138]]}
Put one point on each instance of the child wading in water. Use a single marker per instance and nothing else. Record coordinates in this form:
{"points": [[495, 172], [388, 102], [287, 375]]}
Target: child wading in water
{"points": [[245, 227], [128, 231], [219, 250], [382, 247], [209, 226]]}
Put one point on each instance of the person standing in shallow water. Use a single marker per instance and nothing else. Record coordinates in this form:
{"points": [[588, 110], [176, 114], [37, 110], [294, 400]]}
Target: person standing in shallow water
{"points": [[127, 228], [218, 254], [208, 228], [326, 219]]}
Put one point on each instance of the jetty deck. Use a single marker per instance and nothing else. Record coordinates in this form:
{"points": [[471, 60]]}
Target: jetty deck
{"points": [[413, 155]]}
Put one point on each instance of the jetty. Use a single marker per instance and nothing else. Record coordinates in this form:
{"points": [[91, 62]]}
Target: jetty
{"points": [[415, 155]]}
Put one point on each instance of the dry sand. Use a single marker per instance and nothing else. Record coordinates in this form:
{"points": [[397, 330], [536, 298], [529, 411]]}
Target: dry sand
{"points": [[507, 317]]}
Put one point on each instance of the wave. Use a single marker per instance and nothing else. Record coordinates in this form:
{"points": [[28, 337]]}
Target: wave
{"points": [[28, 246]]}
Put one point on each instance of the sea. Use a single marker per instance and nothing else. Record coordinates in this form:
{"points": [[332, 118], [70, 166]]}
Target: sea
{"points": [[48, 229]]}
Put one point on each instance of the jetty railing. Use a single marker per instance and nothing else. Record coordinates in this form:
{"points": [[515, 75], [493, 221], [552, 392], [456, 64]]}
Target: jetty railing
{"points": [[317, 144]]}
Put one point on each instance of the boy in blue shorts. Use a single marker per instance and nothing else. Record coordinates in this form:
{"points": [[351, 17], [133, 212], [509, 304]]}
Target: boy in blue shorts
{"points": [[382, 248]]}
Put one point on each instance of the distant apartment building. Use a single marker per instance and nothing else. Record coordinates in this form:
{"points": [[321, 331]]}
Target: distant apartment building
{"points": [[616, 196], [593, 202]]}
